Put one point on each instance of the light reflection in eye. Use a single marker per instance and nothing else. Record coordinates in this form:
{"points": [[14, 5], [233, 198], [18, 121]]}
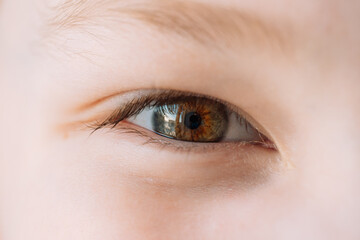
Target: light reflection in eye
{"points": [[164, 121]]}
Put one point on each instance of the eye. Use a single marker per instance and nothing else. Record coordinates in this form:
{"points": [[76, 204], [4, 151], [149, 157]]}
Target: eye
{"points": [[184, 139], [196, 119]]}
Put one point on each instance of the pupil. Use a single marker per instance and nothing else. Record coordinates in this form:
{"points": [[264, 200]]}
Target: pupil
{"points": [[192, 120]]}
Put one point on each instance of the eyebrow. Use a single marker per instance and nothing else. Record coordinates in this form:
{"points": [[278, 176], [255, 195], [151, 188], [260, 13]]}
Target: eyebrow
{"points": [[201, 22]]}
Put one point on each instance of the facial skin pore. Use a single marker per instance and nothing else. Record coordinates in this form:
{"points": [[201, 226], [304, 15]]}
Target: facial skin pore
{"points": [[291, 67]]}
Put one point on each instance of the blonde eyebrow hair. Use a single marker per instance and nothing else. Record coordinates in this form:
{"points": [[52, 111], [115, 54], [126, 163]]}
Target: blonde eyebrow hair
{"points": [[193, 20]]}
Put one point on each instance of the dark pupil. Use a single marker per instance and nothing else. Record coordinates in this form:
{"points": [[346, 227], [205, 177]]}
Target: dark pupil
{"points": [[192, 120]]}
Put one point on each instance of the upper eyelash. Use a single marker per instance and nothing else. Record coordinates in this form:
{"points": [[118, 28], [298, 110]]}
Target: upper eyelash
{"points": [[137, 105]]}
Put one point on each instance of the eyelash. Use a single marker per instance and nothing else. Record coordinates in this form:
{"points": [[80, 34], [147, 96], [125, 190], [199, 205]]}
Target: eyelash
{"points": [[158, 98]]}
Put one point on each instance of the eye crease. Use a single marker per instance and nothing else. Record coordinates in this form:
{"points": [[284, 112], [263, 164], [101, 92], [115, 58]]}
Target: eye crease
{"points": [[186, 117]]}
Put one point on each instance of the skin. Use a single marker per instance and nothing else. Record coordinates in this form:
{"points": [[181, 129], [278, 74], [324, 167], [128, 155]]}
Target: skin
{"points": [[59, 182]]}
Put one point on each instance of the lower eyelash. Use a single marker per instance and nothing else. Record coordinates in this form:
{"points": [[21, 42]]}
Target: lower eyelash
{"points": [[117, 121], [161, 142]]}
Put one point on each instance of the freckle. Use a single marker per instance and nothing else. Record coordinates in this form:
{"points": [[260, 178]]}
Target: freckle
{"points": [[65, 135], [62, 132]]}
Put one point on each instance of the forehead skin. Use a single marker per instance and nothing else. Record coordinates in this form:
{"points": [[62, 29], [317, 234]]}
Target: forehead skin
{"points": [[292, 65]]}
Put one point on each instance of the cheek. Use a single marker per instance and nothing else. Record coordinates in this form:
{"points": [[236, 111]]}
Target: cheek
{"points": [[97, 188]]}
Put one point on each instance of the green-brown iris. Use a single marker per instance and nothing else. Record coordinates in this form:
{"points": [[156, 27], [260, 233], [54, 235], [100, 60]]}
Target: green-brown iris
{"points": [[194, 119]]}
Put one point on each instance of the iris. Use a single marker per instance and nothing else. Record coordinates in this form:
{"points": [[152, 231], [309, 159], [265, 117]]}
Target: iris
{"points": [[191, 119]]}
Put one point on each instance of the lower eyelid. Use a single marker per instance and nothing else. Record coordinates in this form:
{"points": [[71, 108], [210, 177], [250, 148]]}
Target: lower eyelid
{"points": [[193, 166], [148, 137]]}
